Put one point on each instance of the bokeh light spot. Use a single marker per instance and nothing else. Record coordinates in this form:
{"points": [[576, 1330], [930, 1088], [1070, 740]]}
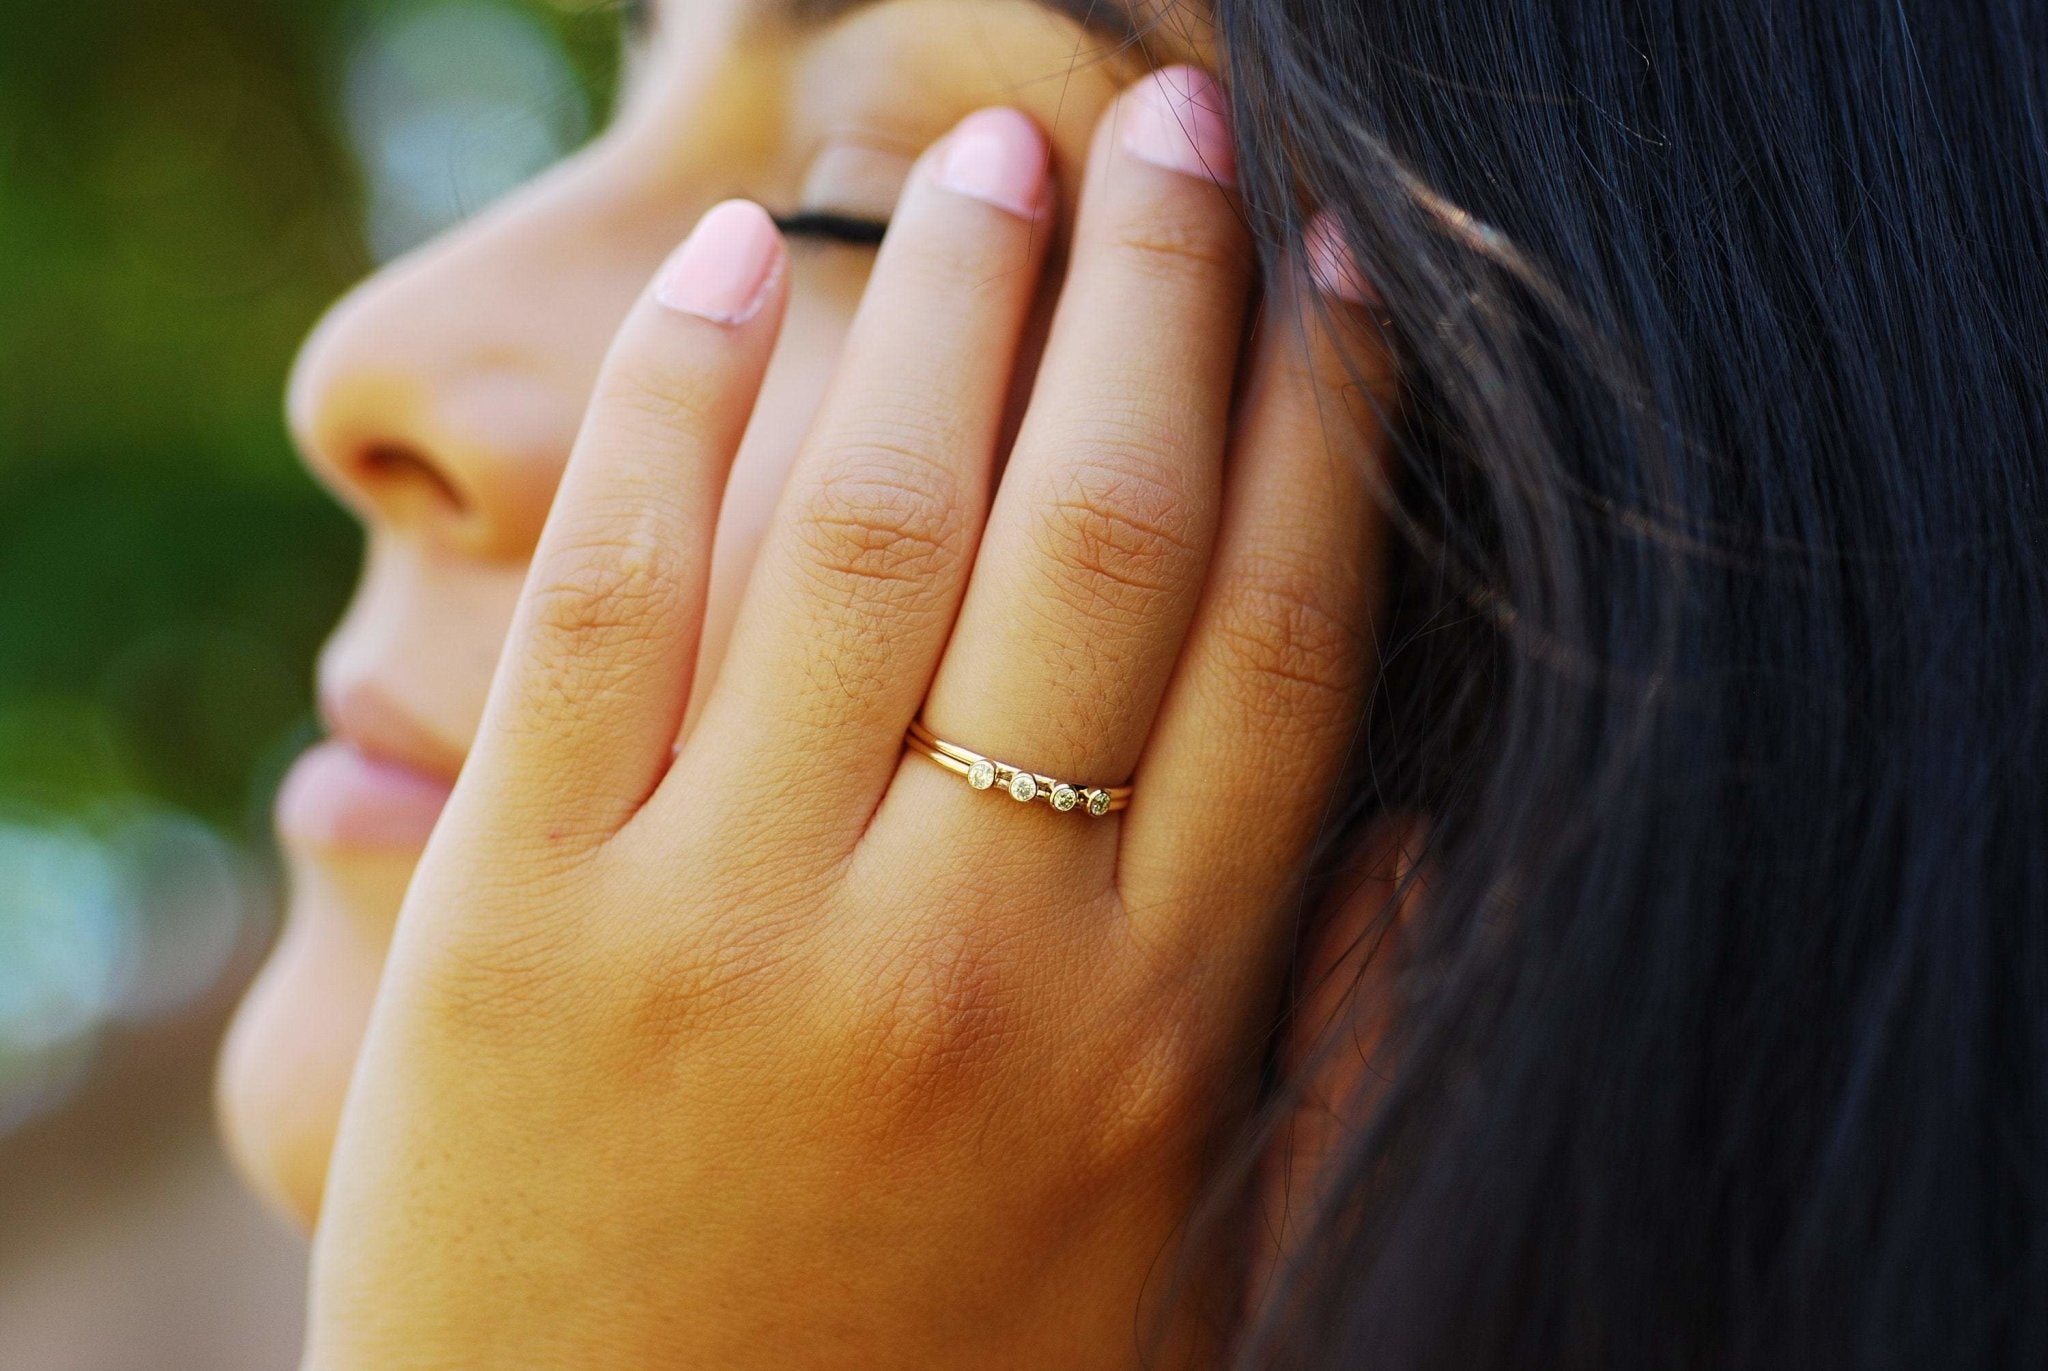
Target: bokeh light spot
{"points": [[451, 106]]}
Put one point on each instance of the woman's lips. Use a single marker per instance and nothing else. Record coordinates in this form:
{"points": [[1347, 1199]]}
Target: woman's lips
{"points": [[338, 796]]}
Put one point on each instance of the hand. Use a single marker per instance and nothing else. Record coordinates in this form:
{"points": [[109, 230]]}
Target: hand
{"points": [[784, 1047]]}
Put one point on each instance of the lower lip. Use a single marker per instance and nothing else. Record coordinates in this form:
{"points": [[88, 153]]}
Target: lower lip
{"points": [[338, 796]]}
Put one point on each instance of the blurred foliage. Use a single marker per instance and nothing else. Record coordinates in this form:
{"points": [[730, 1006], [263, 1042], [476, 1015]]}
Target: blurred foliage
{"points": [[180, 199], [178, 203], [173, 214]]}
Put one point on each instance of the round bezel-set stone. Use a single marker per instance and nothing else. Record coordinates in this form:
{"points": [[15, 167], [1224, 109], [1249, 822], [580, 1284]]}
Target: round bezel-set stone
{"points": [[1098, 802], [1065, 797], [982, 774], [1024, 787]]}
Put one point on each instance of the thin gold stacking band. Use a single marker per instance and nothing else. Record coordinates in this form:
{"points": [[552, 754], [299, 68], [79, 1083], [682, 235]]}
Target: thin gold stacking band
{"points": [[986, 773]]}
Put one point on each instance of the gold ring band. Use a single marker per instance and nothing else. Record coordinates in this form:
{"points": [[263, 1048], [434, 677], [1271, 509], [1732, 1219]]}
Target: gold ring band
{"points": [[986, 773]]}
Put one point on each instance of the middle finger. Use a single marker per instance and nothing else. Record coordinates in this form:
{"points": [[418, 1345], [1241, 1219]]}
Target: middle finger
{"points": [[859, 578]]}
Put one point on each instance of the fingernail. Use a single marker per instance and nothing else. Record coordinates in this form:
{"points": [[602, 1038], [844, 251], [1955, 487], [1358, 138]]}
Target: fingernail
{"points": [[997, 156], [1330, 263], [723, 270], [1175, 118]]}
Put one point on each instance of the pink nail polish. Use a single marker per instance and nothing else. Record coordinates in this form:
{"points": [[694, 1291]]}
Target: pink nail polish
{"points": [[724, 269], [997, 156], [1177, 118], [1330, 263]]}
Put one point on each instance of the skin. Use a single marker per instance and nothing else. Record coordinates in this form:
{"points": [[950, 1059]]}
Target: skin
{"points": [[679, 1056], [475, 357]]}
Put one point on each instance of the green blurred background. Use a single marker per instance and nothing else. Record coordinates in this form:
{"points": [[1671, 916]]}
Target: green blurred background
{"points": [[184, 186]]}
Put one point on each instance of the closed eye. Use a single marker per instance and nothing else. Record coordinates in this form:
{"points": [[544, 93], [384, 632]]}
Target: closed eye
{"points": [[836, 228]]}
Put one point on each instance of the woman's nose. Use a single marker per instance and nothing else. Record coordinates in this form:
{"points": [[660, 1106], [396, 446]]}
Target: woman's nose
{"points": [[441, 398]]}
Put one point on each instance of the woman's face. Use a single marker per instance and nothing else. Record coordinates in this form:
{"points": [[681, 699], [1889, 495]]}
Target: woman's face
{"points": [[440, 400]]}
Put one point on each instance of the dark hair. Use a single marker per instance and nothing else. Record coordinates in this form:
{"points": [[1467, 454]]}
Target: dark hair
{"points": [[1717, 664]]}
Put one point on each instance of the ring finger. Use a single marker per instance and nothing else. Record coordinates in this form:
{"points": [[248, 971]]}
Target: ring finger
{"points": [[1095, 550]]}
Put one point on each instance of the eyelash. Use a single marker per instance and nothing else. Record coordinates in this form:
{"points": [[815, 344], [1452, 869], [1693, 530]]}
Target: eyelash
{"points": [[835, 228]]}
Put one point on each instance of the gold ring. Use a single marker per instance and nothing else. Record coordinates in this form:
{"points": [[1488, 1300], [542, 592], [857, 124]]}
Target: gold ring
{"points": [[986, 773]]}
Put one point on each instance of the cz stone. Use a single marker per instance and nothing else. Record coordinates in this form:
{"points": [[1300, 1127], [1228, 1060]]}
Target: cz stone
{"points": [[1065, 797], [982, 774], [1024, 787], [1098, 802]]}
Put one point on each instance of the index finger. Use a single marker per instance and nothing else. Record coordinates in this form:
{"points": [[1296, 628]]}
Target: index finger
{"points": [[590, 687]]}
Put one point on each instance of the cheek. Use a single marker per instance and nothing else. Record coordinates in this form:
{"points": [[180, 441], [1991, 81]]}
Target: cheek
{"points": [[285, 1067]]}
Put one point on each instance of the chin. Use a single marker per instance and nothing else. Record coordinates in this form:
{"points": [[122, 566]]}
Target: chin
{"points": [[285, 1067]]}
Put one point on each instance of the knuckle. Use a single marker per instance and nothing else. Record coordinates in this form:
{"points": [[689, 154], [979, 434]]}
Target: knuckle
{"points": [[1287, 642], [605, 590], [725, 979], [943, 1012], [951, 267], [1174, 246], [1118, 534], [656, 403], [884, 526], [1163, 1073], [509, 982], [1164, 1086]]}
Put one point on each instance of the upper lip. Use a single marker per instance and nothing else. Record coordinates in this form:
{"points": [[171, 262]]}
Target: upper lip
{"points": [[370, 716]]}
